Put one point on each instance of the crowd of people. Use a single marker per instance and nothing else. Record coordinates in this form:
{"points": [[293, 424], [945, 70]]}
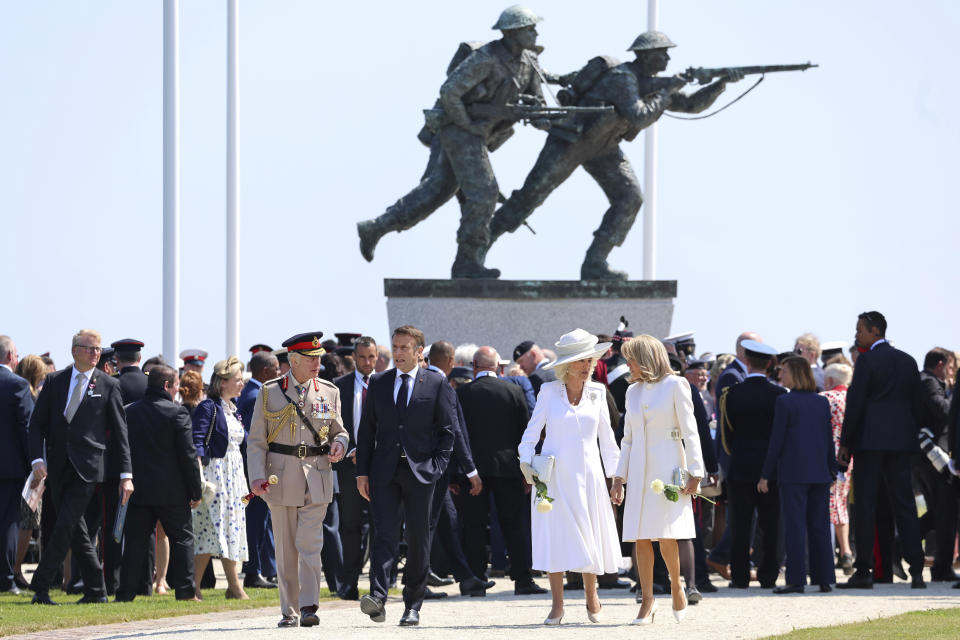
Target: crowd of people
{"points": [[607, 461]]}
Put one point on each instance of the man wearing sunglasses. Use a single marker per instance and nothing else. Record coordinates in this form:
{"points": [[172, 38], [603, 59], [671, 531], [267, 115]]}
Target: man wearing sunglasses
{"points": [[76, 411]]}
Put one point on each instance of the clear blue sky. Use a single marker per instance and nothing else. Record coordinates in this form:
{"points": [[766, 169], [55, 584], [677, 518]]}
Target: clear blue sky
{"points": [[818, 196]]}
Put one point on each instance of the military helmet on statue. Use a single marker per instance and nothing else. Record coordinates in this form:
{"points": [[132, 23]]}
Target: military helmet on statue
{"points": [[516, 17], [651, 40]]}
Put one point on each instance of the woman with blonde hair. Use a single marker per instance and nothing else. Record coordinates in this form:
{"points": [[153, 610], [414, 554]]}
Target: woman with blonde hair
{"points": [[220, 526], [659, 437], [34, 370], [579, 532], [836, 379]]}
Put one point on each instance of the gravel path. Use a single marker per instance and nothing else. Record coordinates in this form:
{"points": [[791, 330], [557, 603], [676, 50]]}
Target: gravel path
{"points": [[732, 614]]}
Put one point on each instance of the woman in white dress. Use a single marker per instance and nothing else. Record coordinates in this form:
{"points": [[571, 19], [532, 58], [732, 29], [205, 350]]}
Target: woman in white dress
{"points": [[220, 526], [579, 533], [659, 435]]}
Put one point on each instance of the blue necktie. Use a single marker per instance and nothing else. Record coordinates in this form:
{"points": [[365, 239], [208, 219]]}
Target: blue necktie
{"points": [[402, 394]]}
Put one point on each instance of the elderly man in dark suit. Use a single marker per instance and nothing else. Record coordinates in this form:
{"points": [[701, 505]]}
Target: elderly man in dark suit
{"points": [[16, 405], [165, 460], [76, 410], [133, 381], [532, 359], [354, 514], [404, 444], [496, 415], [264, 367], [880, 430]]}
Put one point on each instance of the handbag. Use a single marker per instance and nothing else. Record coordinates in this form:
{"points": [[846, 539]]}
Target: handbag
{"points": [[543, 466], [205, 460]]}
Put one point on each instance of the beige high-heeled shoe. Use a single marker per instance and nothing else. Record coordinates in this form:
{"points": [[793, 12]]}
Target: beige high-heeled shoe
{"points": [[553, 621], [649, 618], [594, 617]]}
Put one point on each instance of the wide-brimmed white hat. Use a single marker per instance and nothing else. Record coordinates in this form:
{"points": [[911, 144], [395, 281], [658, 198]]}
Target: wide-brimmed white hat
{"points": [[577, 345]]}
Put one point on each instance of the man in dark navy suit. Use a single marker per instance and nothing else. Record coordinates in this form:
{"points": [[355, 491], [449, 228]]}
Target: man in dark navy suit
{"points": [[75, 411], [404, 444], [531, 359], [354, 512], [16, 405], [746, 422], [169, 484], [133, 381], [264, 366], [880, 430]]}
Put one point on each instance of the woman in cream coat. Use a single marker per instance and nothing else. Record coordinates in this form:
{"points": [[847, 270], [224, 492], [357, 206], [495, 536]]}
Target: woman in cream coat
{"points": [[660, 434], [579, 533]]}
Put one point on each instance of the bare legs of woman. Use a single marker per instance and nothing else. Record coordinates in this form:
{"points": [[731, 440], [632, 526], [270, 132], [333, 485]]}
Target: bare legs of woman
{"points": [[843, 538], [23, 544], [160, 585], [234, 588], [590, 589], [671, 557], [556, 594]]}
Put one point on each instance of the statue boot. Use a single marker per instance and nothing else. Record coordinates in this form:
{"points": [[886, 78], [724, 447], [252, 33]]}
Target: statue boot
{"points": [[469, 263], [595, 265], [370, 232]]}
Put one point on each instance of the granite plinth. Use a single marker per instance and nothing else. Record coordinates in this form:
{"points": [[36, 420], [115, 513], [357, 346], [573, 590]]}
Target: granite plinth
{"points": [[503, 313]]}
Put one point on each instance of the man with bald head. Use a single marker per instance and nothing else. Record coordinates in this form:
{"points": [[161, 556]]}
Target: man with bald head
{"points": [[496, 414]]}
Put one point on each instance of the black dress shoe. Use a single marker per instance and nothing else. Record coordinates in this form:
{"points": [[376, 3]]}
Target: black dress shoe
{"points": [[288, 621], [707, 587], [433, 580], [309, 617], [789, 588], [859, 580], [349, 593], [825, 588], [257, 582], [410, 618], [736, 585], [42, 597], [917, 583], [614, 584], [473, 588], [88, 599], [272, 578], [943, 575], [573, 586], [21, 582], [768, 585], [74, 589], [898, 571], [956, 585], [373, 607], [489, 584], [429, 594], [528, 589]]}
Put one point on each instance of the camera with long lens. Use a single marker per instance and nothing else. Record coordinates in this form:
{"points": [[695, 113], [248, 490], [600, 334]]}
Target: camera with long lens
{"points": [[937, 456]]}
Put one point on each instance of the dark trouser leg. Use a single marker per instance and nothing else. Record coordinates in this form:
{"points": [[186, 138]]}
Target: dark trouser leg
{"points": [[768, 520], [353, 514], [793, 499], [896, 469], [941, 516], [818, 534], [385, 509], [866, 483], [475, 516], [615, 176], [178, 525], [511, 502], [742, 504], [445, 529], [417, 498], [141, 521], [9, 529], [557, 160], [685, 551], [331, 554], [69, 532], [701, 572]]}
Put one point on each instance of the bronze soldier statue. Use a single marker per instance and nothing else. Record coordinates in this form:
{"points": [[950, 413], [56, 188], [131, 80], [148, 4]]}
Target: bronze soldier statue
{"points": [[639, 98], [499, 73]]}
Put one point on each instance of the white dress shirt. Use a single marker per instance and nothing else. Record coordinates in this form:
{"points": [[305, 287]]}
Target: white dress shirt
{"points": [[6, 367], [396, 383], [480, 374], [358, 386], [877, 342]]}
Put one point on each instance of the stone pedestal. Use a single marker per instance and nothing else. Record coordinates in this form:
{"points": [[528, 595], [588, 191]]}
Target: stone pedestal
{"points": [[503, 313]]}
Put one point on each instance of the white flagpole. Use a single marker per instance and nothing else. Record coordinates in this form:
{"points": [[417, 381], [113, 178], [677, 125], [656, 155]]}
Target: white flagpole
{"points": [[233, 219], [650, 177], [171, 179]]}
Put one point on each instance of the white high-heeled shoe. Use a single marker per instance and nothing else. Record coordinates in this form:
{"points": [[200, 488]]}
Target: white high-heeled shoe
{"points": [[594, 617], [649, 618], [680, 614], [553, 621]]}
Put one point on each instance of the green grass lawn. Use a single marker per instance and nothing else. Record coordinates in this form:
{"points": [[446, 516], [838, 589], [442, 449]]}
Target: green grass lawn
{"points": [[17, 615], [934, 625]]}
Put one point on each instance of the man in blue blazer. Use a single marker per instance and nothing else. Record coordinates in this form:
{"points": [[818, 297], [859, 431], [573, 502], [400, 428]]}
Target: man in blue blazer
{"points": [[16, 405], [880, 430], [404, 444]]}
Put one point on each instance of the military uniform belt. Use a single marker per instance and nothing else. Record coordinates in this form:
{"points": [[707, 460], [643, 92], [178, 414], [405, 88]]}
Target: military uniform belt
{"points": [[299, 450]]}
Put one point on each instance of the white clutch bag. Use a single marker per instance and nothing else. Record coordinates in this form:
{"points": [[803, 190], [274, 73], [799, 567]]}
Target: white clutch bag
{"points": [[543, 465]]}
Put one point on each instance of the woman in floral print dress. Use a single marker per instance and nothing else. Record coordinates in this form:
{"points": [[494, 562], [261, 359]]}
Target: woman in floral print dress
{"points": [[836, 377]]}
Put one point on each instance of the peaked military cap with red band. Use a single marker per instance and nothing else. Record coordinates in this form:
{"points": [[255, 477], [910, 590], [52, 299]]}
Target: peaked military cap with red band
{"points": [[194, 356], [307, 344], [260, 347], [127, 344]]}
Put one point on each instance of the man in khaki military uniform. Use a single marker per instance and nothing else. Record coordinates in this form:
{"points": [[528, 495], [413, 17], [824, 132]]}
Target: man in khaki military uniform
{"points": [[296, 433]]}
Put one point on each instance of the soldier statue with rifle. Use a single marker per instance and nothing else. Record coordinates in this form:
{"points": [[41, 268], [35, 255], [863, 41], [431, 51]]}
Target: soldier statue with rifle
{"points": [[591, 140], [488, 89]]}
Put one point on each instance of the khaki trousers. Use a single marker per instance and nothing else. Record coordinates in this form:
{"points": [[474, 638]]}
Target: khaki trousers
{"points": [[298, 536]]}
